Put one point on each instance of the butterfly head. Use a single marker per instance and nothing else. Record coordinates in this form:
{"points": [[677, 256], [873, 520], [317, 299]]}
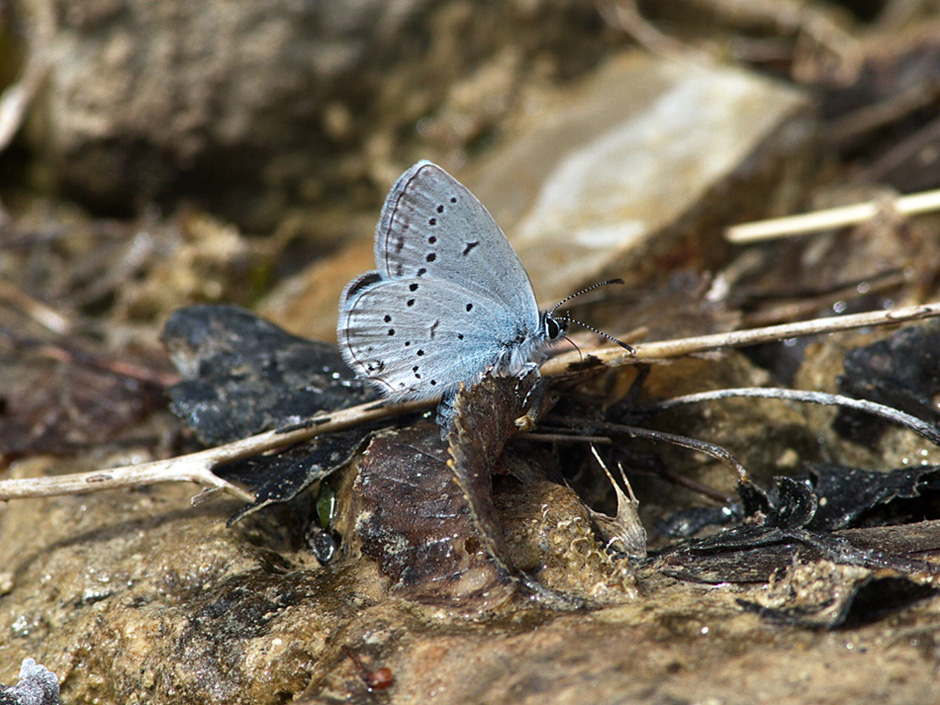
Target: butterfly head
{"points": [[553, 328]]}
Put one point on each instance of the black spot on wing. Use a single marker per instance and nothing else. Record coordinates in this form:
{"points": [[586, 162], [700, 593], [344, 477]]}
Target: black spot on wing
{"points": [[470, 246]]}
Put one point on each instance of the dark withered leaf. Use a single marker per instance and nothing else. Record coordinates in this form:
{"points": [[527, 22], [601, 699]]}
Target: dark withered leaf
{"points": [[51, 406], [826, 498], [484, 420], [281, 477], [852, 494], [243, 375], [754, 553], [754, 501], [796, 504], [792, 522], [902, 372], [740, 564], [414, 521], [856, 598]]}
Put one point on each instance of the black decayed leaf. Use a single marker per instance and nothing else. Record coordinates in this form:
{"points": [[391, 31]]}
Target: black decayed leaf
{"points": [[902, 371], [853, 494], [280, 477], [807, 518], [243, 375], [843, 497]]}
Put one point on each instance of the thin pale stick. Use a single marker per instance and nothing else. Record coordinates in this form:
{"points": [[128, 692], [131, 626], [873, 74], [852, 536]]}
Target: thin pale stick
{"points": [[715, 451], [647, 352], [918, 426], [38, 311], [16, 99], [197, 467], [913, 204]]}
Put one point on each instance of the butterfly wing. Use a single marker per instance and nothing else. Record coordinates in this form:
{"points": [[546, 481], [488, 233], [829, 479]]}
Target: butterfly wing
{"points": [[432, 226], [418, 338]]}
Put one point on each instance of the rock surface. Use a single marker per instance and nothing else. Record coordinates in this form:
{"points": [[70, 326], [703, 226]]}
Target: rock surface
{"points": [[266, 106], [644, 162]]}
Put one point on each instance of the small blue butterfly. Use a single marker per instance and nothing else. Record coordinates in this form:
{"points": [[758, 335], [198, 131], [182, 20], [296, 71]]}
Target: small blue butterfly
{"points": [[449, 298]]}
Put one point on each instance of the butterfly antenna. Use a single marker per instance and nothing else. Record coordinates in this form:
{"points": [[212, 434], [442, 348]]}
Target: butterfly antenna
{"points": [[612, 339], [583, 291], [601, 333]]}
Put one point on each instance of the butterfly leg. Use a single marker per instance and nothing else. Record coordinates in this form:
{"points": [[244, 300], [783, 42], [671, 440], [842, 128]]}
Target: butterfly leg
{"points": [[445, 414], [534, 397]]}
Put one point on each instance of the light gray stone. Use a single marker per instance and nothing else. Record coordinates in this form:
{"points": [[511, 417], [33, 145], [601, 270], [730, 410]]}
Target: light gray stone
{"points": [[647, 158]]}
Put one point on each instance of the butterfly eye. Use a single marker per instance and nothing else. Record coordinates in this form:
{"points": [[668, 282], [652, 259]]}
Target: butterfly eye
{"points": [[552, 328]]}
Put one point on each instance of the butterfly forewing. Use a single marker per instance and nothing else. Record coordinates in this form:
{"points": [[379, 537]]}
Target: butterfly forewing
{"points": [[432, 226], [418, 338]]}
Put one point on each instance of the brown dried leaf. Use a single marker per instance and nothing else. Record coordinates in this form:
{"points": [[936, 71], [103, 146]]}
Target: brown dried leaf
{"points": [[413, 520], [484, 420], [61, 407]]}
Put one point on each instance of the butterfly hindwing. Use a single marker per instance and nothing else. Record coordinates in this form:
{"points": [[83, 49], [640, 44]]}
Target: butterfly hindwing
{"points": [[419, 338]]}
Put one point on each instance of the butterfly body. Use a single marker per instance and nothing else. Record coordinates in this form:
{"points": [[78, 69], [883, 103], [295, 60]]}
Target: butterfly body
{"points": [[449, 298]]}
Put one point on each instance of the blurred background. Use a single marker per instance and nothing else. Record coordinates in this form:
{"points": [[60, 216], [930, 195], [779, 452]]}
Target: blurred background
{"points": [[156, 154]]}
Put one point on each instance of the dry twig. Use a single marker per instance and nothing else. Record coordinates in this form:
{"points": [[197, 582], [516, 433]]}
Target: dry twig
{"points": [[912, 204], [198, 467], [651, 352]]}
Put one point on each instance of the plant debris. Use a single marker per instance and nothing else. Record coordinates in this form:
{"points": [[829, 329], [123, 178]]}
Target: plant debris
{"points": [[243, 375], [902, 371]]}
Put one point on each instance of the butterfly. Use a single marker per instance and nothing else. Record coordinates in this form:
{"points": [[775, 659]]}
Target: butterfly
{"points": [[449, 298]]}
